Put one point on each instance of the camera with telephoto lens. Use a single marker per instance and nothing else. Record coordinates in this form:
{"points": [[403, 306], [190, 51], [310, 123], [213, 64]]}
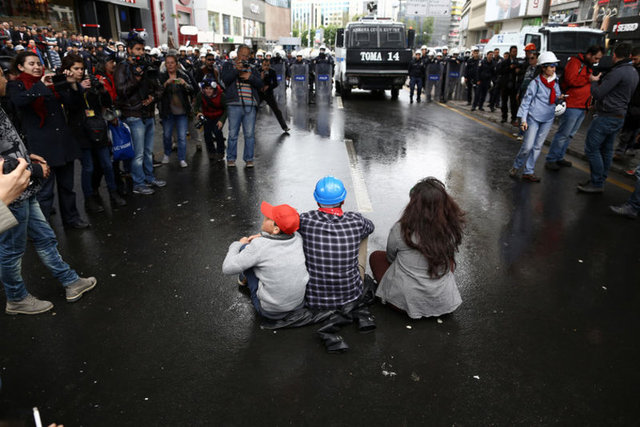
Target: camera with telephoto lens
{"points": [[201, 121], [245, 64], [10, 163]]}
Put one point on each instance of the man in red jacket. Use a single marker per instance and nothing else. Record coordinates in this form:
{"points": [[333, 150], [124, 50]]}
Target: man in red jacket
{"points": [[576, 84]]}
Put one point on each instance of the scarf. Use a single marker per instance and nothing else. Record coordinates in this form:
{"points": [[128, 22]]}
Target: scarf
{"points": [[332, 211], [38, 105], [551, 85]]}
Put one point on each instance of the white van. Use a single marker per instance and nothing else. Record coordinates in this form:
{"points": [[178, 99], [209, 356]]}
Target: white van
{"points": [[564, 41]]}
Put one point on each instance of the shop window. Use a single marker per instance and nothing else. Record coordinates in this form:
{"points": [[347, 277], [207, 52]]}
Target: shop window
{"points": [[214, 22], [226, 24]]}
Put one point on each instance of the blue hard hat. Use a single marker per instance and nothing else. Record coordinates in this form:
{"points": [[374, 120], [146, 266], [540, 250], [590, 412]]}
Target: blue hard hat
{"points": [[329, 191]]}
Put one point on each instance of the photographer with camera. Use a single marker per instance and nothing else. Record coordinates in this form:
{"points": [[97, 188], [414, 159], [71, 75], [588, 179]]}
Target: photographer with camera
{"points": [[210, 109], [242, 83], [90, 130], [137, 95], [39, 97], [20, 181], [175, 107]]}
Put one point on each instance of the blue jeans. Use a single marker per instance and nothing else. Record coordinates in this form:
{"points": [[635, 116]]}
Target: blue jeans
{"points": [[103, 155], [245, 116], [413, 82], [531, 145], [598, 146], [142, 138], [13, 243], [180, 122], [568, 125]]}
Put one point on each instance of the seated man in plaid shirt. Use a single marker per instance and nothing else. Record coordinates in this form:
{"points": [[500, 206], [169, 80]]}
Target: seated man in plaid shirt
{"points": [[331, 240]]}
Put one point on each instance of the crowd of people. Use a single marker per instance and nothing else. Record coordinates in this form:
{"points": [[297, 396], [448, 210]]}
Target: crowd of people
{"points": [[532, 93]]}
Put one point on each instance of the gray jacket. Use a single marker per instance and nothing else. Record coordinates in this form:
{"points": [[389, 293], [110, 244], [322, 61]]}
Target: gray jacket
{"points": [[280, 267], [613, 93]]}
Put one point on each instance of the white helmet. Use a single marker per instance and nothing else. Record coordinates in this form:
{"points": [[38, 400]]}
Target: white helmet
{"points": [[474, 48], [260, 52], [445, 48], [454, 51], [155, 52], [181, 48], [423, 47], [189, 48], [561, 108], [164, 47], [418, 52], [322, 46], [147, 48], [203, 54], [547, 58], [233, 54], [268, 55], [431, 52]]}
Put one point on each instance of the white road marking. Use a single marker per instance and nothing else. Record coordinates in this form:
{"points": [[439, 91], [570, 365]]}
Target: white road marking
{"points": [[359, 186], [339, 101]]}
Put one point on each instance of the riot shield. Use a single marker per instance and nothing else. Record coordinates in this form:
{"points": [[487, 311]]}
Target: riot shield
{"points": [[280, 92], [453, 79], [300, 83], [434, 79], [323, 83]]}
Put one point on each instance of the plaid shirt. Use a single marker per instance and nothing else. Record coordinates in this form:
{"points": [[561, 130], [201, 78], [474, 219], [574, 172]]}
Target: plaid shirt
{"points": [[331, 244]]}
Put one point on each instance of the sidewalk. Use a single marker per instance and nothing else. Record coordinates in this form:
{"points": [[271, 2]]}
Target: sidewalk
{"points": [[576, 146]]}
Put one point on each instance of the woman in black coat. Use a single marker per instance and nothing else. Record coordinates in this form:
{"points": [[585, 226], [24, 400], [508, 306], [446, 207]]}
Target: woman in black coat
{"points": [[48, 135]]}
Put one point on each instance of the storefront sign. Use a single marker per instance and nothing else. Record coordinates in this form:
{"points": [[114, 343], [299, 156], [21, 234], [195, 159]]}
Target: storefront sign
{"points": [[625, 28]]}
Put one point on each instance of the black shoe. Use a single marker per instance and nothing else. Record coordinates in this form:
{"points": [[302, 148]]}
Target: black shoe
{"points": [[93, 204], [78, 225], [480, 109], [493, 110], [410, 100], [116, 200], [590, 188], [553, 166], [473, 108], [504, 120], [564, 163], [286, 130], [418, 100]]}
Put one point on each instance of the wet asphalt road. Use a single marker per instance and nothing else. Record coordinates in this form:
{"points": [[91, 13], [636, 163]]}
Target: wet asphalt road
{"points": [[546, 334]]}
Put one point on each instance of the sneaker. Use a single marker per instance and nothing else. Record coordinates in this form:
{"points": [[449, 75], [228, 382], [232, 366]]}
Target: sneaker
{"points": [[28, 305], [564, 163], [519, 138], [183, 164], [165, 159], [249, 164], [231, 163], [624, 210], [590, 188], [530, 177], [143, 189], [75, 290], [552, 166], [157, 183], [630, 172], [513, 172]]}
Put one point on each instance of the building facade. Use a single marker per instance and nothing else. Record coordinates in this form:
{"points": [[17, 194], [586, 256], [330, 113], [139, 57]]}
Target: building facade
{"points": [[220, 23], [278, 21]]}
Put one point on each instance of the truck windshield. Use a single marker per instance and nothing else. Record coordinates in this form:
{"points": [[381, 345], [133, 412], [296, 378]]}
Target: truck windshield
{"points": [[573, 41], [374, 36]]}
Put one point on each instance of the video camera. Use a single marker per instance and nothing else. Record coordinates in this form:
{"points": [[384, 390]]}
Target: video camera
{"points": [[201, 121]]}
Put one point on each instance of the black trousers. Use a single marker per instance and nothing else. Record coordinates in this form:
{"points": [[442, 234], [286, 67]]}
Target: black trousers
{"points": [[508, 99], [481, 94], [271, 102], [494, 96], [211, 133], [62, 177], [470, 90]]}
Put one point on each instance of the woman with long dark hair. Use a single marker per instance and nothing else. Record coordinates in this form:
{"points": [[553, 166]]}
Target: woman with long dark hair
{"points": [[415, 274], [47, 133]]}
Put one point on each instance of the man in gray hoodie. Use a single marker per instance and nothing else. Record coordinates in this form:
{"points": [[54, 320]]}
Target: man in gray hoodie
{"points": [[612, 94]]}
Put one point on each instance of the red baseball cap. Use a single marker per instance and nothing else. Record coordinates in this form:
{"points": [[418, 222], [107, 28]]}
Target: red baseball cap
{"points": [[285, 217]]}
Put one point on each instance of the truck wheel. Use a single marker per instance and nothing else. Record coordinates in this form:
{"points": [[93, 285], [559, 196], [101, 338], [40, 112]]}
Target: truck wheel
{"points": [[394, 93]]}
